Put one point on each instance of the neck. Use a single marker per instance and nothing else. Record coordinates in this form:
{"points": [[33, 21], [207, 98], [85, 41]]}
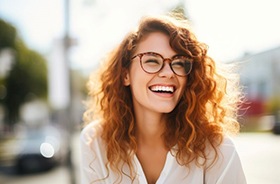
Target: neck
{"points": [[150, 129]]}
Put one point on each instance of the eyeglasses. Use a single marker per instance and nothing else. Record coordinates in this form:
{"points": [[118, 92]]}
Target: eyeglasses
{"points": [[152, 62]]}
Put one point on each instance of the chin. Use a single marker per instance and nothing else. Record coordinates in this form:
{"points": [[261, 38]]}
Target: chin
{"points": [[166, 110]]}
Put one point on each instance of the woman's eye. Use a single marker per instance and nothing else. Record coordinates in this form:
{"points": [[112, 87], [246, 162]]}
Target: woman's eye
{"points": [[178, 64], [152, 61]]}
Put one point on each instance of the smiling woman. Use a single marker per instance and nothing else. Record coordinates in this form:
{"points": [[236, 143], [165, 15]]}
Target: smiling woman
{"points": [[160, 111]]}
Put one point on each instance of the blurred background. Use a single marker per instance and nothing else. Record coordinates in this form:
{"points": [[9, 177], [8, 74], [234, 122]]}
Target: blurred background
{"points": [[49, 48]]}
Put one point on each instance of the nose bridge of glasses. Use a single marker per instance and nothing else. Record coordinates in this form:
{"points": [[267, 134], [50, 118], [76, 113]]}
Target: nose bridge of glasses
{"points": [[167, 59], [168, 62]]}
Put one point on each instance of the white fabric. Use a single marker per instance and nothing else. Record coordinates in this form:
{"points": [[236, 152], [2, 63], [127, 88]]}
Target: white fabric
{"points": [[226, 170]]}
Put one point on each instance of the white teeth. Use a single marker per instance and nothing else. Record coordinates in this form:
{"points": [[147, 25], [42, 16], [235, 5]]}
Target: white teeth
{"points": [[163, 88]]}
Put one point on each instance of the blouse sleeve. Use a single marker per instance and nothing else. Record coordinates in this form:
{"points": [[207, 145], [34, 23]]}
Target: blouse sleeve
{"points": [[227, 169]]}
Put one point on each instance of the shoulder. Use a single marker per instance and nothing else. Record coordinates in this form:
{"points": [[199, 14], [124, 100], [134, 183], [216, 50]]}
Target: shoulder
{"points": [[222, 152], [91, 134], [92, 153], [226, 165], [91, 143], [227, 145], [92, 130]]}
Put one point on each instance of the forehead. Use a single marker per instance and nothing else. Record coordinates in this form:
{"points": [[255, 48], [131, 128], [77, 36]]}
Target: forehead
{"points": [[155, 42]]}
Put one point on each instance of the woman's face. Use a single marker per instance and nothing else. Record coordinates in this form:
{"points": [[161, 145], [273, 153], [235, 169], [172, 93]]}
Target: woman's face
{"points": [[159, 92]]}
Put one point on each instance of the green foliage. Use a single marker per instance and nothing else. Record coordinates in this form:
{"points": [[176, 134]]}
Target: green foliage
{"points": [[180, 11], [7, 35], [28, 77]]}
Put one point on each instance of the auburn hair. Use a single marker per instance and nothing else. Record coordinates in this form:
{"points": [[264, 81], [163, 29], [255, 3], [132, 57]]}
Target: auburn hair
{"points": [[204, 114]]}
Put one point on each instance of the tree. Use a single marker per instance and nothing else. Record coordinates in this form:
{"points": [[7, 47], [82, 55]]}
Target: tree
{"points": [[27, 79], [180, 10], [7, 35]]}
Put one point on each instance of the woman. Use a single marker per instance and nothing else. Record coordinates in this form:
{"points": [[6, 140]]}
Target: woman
{"points": [[160, 112]]}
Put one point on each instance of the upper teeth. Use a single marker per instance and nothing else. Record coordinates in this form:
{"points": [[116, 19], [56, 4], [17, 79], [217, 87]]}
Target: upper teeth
{"points": [[162, 88]]}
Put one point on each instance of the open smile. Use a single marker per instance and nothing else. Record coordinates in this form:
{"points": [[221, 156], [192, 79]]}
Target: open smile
{"points": [[162, 89]]}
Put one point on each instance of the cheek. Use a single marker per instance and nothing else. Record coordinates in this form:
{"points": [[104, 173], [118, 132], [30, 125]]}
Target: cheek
{"points": [[137, 75], [183, 81], [138, 82], [183, 84]]}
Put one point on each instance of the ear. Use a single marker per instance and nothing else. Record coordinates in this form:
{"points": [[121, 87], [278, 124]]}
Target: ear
{"points": [[126, 80]]}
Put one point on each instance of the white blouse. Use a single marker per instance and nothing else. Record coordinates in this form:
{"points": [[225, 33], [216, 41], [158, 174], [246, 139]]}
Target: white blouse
{"points": [[226, 170]]}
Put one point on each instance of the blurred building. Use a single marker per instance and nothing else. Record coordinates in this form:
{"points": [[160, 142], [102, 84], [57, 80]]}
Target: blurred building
{"points": [[260, 76], [65, 86]]}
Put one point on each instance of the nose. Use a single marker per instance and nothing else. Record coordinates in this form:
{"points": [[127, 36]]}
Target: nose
{"points": [[166, 71]]}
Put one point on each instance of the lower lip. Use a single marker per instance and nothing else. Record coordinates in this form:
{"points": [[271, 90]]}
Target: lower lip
{"points": [[165, 95]]}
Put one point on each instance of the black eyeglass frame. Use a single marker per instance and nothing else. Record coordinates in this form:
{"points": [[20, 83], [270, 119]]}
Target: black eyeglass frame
{"points": [[140, 55]]}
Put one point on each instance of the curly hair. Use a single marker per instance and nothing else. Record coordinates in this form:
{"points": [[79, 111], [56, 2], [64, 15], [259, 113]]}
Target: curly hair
{"points": [[205, 113]]}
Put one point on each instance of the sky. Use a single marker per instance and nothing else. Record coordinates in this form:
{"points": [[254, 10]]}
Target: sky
{"points": [[229, 27]]}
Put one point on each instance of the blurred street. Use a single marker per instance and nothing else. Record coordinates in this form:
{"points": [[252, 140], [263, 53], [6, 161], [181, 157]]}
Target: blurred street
{"points": [[260, 156], [259, 153], [57, 175]]}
